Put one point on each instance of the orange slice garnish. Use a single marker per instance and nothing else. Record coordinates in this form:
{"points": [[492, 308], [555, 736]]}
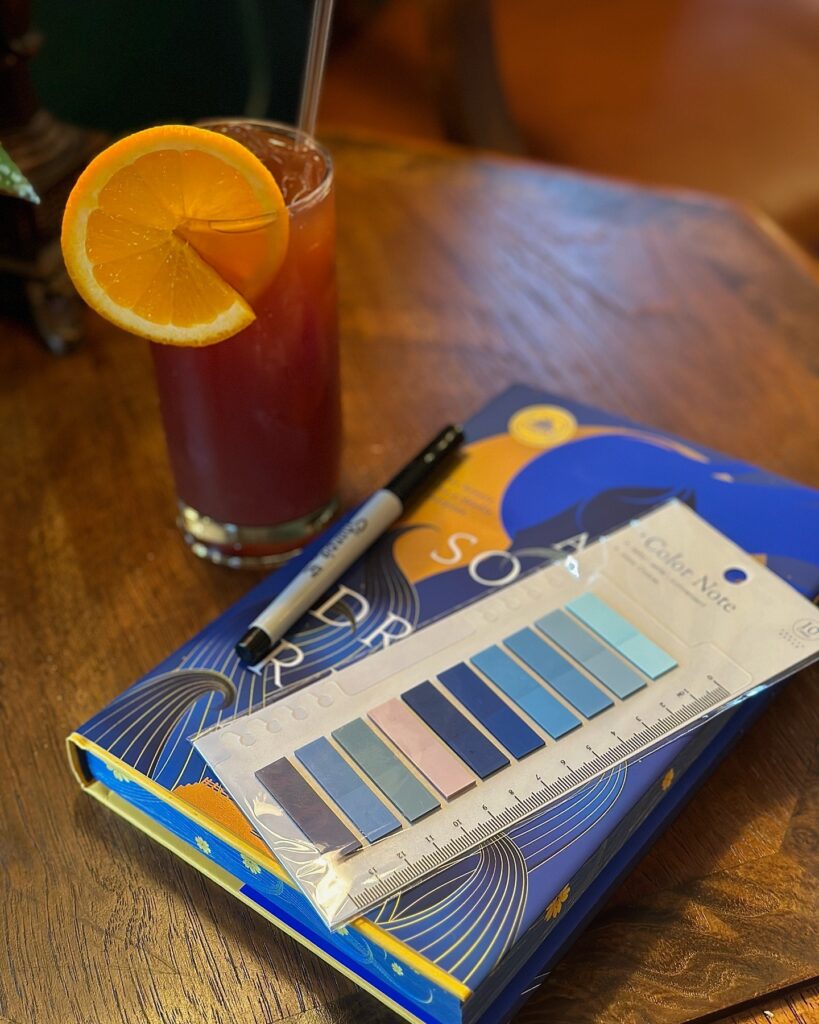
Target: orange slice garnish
{"points": [[170, 231]]}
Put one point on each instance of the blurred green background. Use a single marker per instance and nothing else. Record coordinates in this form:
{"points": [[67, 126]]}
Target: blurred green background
{"points": [[118, 65]]}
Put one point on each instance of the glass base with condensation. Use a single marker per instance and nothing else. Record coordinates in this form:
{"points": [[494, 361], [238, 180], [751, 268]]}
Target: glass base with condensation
{"points": [[248, 547]]}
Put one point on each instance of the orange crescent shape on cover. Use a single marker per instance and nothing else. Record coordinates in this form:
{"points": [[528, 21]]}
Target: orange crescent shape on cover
{"points": [[467, 502], [461, 518], [209, 797]]}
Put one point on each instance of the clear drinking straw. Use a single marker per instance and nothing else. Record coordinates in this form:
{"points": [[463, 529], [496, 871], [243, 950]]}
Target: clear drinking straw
{"points": [[314, 67]]}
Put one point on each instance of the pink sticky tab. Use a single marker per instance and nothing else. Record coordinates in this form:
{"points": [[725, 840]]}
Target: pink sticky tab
{"points": [[422, 748]]}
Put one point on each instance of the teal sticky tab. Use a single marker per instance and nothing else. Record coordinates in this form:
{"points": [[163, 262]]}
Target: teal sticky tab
{"points": [[622, 635], [614, 673], [648, 657], [605, 621]]}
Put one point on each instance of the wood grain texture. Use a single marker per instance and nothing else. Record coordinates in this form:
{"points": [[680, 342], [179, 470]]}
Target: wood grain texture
{"points": [[797, 1007], [458, 276]]}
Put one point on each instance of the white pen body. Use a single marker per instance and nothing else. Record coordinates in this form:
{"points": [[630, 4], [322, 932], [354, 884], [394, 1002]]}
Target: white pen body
{"points": [[376, 515]]}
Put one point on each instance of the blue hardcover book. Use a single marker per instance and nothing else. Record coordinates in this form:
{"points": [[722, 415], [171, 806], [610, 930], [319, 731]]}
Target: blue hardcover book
{"points": [[540, 478]]}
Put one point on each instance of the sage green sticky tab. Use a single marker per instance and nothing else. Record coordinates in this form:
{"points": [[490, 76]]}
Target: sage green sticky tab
{"points": [[385, 770]]}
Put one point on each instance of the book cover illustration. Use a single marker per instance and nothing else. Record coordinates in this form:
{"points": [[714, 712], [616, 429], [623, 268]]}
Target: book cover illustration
{"points": [[540, 478]]}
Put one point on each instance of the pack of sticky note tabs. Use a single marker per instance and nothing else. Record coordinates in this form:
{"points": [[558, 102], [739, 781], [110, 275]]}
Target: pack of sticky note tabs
{"points": [[368, 779]]}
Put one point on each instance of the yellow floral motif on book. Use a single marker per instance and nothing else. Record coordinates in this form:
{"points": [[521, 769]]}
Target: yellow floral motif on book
{"points": [[556, 905]]}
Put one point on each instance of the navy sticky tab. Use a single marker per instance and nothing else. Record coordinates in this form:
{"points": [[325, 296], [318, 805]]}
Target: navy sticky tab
{"points": [[459, 734], [493, 714], [306, 808], [560, 674], [347, 789]]}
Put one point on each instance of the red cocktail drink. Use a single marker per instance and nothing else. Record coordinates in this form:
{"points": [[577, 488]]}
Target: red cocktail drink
{"points": [[253, 422]]}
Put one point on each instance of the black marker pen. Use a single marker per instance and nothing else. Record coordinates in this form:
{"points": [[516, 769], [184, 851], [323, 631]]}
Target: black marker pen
{"points": [[375, 516]]}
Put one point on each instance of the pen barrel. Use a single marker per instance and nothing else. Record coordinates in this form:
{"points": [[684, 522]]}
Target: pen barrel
{"points": [[416, 473], [348, 544], [344, 547]]}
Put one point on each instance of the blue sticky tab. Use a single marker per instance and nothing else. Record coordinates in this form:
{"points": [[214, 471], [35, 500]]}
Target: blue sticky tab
{"points": [[622, 635], [493, 714], [553, 668], [600, 661], [469, 743], [526, 692], [343, 785]]}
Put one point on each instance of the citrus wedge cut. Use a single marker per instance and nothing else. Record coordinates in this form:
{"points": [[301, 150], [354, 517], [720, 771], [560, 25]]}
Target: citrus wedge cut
{"points": [[169, 232]]}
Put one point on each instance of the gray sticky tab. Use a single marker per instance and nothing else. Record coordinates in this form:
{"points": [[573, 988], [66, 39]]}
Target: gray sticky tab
{"points": [[306, 808]]}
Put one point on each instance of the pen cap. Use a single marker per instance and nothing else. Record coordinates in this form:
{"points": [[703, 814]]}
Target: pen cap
{"points": [[416, 472], [253, 646]]}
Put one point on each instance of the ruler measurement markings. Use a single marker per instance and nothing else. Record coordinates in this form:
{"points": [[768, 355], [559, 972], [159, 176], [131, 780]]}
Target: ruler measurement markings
{"points": [[414, 869]]}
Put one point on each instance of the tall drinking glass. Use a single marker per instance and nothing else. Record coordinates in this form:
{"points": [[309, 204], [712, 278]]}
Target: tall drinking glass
{"points": [[253, 423]]}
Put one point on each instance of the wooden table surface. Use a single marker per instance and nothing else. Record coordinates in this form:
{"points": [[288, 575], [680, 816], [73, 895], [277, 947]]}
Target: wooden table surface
{"points": [[458, 276]]}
